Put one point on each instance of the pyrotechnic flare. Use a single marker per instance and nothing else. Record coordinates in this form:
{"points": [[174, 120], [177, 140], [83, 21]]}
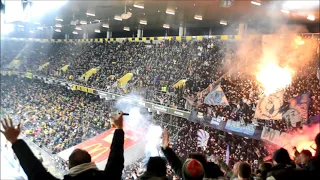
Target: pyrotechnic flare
{"points": [[273, 78]]}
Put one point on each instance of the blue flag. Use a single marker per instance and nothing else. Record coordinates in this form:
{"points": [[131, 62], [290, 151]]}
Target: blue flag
{"points": [[227, 154]]}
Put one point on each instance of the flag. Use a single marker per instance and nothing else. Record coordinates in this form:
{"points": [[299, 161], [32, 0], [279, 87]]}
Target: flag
{"points": [[216, 97], [203, 137], [227, 154], [269, 107], [298, 110]]}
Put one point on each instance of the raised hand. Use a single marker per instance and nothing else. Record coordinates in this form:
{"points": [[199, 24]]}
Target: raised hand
{"points": [[117, 122], [10, 132], [165, 139]]}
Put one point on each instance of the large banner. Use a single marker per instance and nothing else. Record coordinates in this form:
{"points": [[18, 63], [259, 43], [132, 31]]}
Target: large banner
{"points": [[238, 127], [99, 146], [297, 114], [275, 137], [269, 106], [216, 97]]}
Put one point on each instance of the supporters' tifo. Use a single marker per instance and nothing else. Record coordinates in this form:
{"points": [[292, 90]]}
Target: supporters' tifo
{"points": [[184, 107]]}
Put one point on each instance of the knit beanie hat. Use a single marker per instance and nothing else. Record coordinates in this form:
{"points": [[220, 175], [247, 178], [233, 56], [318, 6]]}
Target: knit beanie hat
{"points": [[192, 170], [281, 156]]}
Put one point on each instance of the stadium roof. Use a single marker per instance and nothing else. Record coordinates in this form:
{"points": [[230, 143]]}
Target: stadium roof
{"points": [[153, 13]]}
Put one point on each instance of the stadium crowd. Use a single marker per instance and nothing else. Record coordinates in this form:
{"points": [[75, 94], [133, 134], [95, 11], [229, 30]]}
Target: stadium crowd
{"points": [[57, 118], [53, 117], [202, 62]]}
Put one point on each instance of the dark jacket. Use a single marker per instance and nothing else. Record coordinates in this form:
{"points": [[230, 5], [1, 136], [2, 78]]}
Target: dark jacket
{"points": [[35, 170], [287, 172], [149, 176]]}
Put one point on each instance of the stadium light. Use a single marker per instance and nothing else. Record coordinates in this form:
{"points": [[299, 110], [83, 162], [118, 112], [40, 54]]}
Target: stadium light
{"points": [[57, 30], [170, 11], [90, 14], [59, 19], [105, 25], [97, 31], [118, 18], [83, 22], [222, 22], [285, 11], [198, 17], [59, 25], [257, 3], [126, 28], [74, 32], [140, 6], [311, 17], [144, 22], [167, 26], [78, 28]]}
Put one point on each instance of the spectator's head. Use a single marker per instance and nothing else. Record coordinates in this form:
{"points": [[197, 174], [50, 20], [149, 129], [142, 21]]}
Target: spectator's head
{"points": [[305, 156], [192, 169], [157, 167], [264, 168], [281, 156], [78, 157], [236, 167], [198, 156], [244, 171]]}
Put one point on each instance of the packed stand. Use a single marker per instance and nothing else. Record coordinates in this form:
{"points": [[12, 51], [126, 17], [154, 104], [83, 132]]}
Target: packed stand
{"points": [[54, 117]]}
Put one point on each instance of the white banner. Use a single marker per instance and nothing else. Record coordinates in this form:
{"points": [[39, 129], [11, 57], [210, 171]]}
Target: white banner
{"points": [[275, 137], [269, 106], [203, 137]]}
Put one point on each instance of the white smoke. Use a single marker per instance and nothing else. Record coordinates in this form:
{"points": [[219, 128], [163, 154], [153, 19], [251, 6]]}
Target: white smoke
{"points": [[139, 118], [153, 138]]}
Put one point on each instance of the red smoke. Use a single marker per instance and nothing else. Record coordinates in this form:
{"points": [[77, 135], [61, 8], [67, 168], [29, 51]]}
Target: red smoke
{"points": [[303, 139]]}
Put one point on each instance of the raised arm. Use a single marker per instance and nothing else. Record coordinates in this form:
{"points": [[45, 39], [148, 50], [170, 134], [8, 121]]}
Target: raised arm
{"points": [[30, 164], [115, 163], [172, 158]]}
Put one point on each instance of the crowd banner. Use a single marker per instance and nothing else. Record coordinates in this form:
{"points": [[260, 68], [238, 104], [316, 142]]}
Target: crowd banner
{"points": [[237, 126], [269, 106], [89, 73], [29, 75], [180, 83], [298, 110], [275, 137], [124, 79], [44, 66], [216, 97], [216, 120], [64, 68], [203, 138], [82, 88]]}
